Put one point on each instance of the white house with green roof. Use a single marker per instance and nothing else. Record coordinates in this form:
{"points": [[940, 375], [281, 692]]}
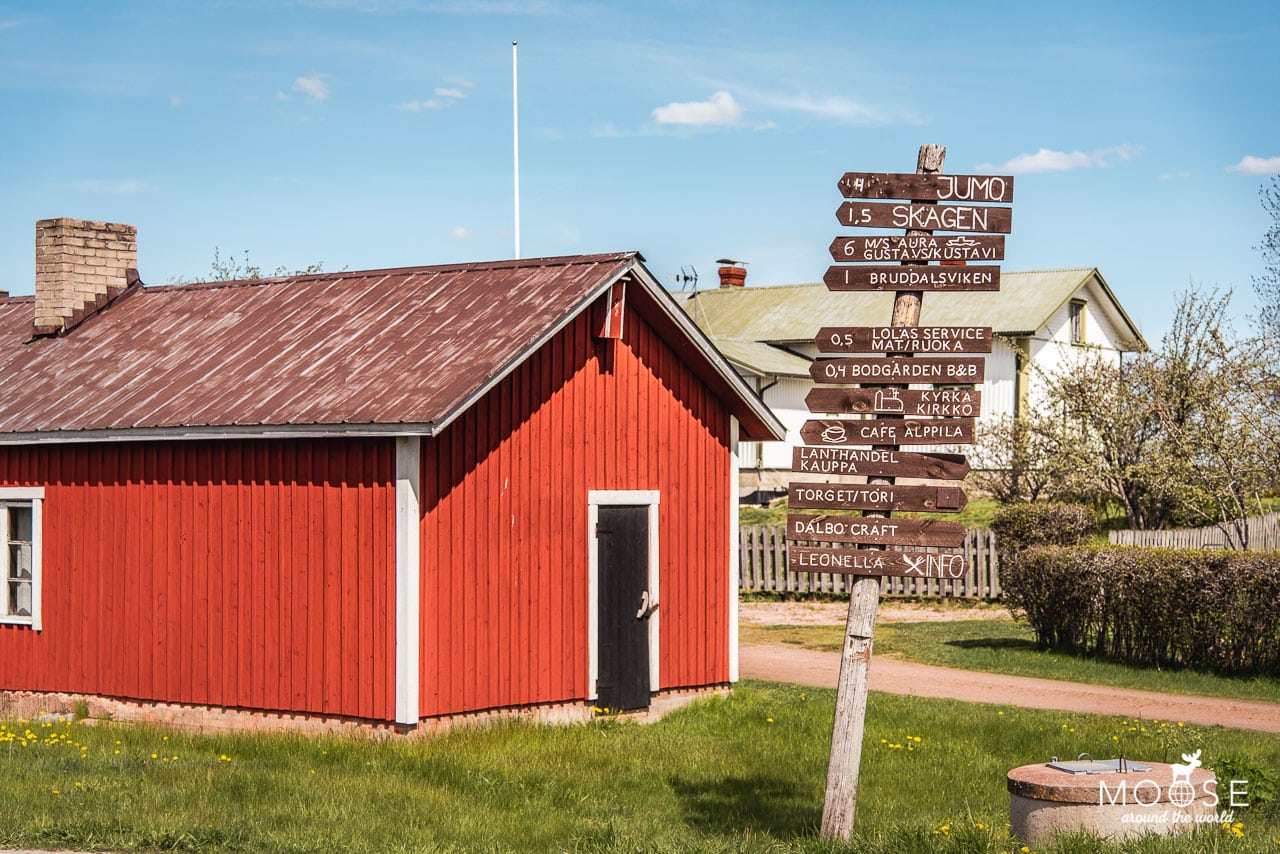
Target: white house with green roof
{"points": [[1041, 319]]}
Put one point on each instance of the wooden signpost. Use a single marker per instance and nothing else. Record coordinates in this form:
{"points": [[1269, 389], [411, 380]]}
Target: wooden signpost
{"points": [[869, 448]]}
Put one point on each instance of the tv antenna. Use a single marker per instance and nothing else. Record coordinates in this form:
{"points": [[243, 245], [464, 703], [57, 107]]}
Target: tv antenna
{"points": [[687, 276]]}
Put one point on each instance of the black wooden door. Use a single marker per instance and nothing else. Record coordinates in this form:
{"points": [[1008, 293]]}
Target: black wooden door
{"points": [[623, 674]]}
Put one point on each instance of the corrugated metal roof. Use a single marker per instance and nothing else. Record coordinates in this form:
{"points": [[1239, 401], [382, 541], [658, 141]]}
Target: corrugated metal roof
{"points": [[763, 359], [406, 346], [793, 313]]}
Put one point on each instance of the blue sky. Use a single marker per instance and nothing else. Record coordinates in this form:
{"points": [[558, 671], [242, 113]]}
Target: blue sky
{"points": [[377, 133]]}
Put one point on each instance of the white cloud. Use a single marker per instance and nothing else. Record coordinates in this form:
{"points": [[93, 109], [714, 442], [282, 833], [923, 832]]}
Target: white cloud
{"points": [[313, 87], [1250, 165], [1048, 160], [175, 102], [1180, 175], [831, 107], [456, 94], [416, 106], [444, 96], [110, 188], [720, 110], [460, 232]]}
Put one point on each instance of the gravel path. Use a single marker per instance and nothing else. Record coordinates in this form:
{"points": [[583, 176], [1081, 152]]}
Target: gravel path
{"points": [[787, 663]]}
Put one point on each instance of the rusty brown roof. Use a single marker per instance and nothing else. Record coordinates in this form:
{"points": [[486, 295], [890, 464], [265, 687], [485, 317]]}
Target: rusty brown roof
{"points": [[401, 349]]}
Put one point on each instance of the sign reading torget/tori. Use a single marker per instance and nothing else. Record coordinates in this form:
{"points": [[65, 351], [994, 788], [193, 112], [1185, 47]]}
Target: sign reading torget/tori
{"points": [[875, 496]]}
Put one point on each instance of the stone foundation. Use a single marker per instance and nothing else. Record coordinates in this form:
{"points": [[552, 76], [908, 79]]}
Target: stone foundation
{"points": [[219, 719]]}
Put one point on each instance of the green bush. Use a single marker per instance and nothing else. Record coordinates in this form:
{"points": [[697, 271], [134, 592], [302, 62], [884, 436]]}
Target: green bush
{"points": [[1207, 609], [1020, 526]]}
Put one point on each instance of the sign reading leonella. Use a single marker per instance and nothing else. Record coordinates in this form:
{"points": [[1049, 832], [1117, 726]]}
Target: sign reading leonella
{"points": [[875, 496], [912, 278], [937, 403], [903, 339], [926, 217], [926, 187], [924, 247], [878, 462], [875, 562], [955, 370], [911, 431], [872, 531]]}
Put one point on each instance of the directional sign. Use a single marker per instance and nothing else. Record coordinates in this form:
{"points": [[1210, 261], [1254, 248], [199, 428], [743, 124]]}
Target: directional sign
{"points": [[912, 278], [924, 247], [903, 339], [935, 403], [911, 431], [927, 188], [883, 532], [844, 496], [926, 217], [878, 462], [954, 370], [876, 562]]}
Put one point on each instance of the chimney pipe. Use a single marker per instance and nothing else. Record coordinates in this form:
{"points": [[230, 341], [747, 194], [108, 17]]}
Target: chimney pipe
{"points": [[81, 266], [732, 273]]}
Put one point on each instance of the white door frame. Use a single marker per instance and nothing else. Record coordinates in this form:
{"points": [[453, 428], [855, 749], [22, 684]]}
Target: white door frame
{"points": [[596, 498]]}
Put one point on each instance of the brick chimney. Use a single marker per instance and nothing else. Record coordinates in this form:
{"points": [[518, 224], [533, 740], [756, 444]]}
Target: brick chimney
{"points": [[80, 267], [732, 273]]}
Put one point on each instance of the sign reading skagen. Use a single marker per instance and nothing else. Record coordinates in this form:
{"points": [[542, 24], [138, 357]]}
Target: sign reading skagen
{"points": [[912, 278], [936, 403], [921, 431], [926, 217], [930, 187], [875, 562], [844, 496], [904, 339], [878, 462], [926, 369], [884, 532], [925, 247]]}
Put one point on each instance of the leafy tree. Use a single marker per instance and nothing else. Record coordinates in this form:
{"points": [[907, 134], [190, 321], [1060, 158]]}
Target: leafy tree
{"points": [[1267, 286]]}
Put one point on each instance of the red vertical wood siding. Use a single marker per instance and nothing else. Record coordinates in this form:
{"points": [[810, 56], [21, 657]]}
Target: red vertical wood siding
{"points": [[254, 574], [504, 528]]}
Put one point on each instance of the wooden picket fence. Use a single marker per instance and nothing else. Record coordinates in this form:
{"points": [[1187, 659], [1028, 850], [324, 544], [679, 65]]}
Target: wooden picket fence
{"points": [[763, 568], [1264, 535]]}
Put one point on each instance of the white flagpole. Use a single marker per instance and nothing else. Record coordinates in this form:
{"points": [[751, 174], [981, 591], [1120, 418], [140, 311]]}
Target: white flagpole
{"points": [[515, 139]]}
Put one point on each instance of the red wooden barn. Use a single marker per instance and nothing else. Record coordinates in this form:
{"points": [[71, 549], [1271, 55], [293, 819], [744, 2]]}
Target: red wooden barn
{"points": [[384, 497]]}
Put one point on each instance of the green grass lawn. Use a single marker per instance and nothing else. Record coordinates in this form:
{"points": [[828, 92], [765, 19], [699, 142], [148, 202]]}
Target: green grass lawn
{"points": [[1002, 646], [741, 773]]}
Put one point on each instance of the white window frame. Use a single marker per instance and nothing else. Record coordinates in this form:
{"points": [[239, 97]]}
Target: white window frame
{"points": [[32, 497], [652, 499]]}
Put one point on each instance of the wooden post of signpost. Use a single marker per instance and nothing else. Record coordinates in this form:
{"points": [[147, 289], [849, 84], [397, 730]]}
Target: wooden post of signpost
{"points": [[855, 659]]}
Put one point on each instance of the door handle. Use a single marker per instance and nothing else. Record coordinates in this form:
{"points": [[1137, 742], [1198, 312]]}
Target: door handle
{"points": [[646, 606]]}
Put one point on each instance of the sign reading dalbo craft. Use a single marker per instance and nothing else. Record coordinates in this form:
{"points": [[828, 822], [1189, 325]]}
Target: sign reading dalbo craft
{"points": [[873, 531]]}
